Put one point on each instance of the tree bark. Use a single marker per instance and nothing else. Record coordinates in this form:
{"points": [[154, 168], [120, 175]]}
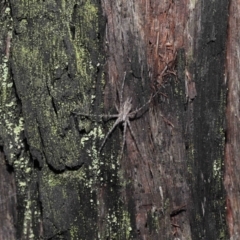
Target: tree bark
{"points": [[231, 178], [68, 65]]}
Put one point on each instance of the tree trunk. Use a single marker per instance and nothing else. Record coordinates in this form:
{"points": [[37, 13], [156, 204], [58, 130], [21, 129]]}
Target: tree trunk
{"points": [[113, 119], [232, 153]]}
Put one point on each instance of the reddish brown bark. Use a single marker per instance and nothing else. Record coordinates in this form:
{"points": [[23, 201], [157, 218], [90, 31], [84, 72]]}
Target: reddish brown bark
{"points": [[168, 47], [165, 32], [232, 152], [143, 39], [168, 183]]}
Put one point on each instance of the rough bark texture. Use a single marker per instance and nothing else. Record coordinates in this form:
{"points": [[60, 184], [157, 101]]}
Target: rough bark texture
{"points": [[8, 210], [8, 195], [208, 122], [232, 153], [63, 65]]}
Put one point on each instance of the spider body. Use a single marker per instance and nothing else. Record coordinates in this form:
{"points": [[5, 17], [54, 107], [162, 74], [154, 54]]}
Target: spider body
{"points": [[125, 110], [123, 117]]}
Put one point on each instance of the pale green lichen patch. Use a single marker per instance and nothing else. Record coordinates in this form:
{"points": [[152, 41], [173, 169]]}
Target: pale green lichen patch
{"points": [[217, 169], [58, 82], [126, 224], [118, 225], [12, 126], [57, 68], [52, 180], [27, 224]]}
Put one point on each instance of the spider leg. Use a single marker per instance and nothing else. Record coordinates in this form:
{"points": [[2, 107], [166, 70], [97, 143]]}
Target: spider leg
{"points": [[116, 106], [109, 132], [138, 148], [95, 116], [133, 113], [124, 138], [108, 117], [121, 93], [134, 137], [82, 114]]}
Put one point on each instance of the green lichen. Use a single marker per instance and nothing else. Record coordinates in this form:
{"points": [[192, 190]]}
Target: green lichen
{"points": [[41, 57], [11, 126], [153, 220], [74, 232], [52, 180], [27, 224], [120, 221], [217, 168]]}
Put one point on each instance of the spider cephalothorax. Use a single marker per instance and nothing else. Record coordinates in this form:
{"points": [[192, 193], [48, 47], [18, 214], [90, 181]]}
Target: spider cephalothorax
{"points": [[124, 111]]}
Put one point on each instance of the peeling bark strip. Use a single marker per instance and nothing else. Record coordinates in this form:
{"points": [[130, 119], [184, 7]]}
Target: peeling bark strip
{"points": [[232, 152], [164, 33]]}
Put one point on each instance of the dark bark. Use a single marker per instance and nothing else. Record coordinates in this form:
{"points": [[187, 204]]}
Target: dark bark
{"points": [[63, 65], [232, 153], [8, 196], [209, 122]]}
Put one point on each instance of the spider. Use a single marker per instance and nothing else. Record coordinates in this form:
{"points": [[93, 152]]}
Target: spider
{"points": [[123, 117]]}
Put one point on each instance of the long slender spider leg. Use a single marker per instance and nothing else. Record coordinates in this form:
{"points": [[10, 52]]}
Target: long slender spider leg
{"points": [[121, 93], [133, 113], [83, 114], [124, 138], [110, 116], [134, 137], [95, 116], [109, 132], [116, 106], [139, 109]]}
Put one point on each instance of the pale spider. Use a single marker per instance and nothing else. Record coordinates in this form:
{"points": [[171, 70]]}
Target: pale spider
{"points": [[124, 116]]}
